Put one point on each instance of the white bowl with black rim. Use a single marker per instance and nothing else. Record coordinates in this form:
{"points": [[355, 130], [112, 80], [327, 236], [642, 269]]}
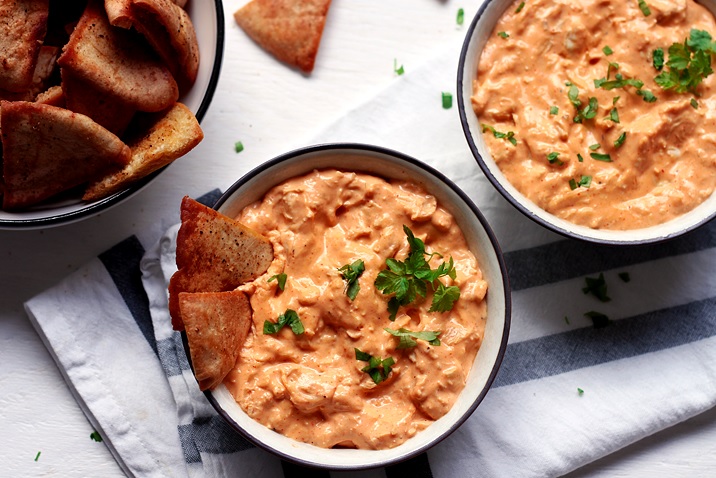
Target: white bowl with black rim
{"points": [[477, 35], [208, 19], [482, 242]]}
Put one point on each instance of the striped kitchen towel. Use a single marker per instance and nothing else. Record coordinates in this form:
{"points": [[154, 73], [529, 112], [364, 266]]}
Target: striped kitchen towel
{"points": [[581, 378]]}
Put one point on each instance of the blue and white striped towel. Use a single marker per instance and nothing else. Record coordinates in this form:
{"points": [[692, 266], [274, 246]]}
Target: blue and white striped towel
{"points": [[568, 392]]}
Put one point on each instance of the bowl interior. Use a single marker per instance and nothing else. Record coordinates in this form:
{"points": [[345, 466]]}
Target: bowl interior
{"points": [[208, 20], [476, 38], [481, 241]]}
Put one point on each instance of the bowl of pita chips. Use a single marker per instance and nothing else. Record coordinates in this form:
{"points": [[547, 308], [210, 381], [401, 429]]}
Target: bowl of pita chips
{"points": [[96, 98], [217, 256]]}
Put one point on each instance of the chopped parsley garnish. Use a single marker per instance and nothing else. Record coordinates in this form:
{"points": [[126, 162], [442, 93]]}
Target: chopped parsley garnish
{"points": [[580, 391], [410, 278], [280, 280], [657, 58], [598, 319], [509, 136], [460, 16], [238, 146], [618, 82], [616, 98], [290, 318], [447, 100], [614, 115], [588, 112], [584, 182], [553, 110], [694, 104], [607, 50], [644, 8], [350, 274], [96, 436], [37, 457], [503, 34], [596, 286], [520, 7], [601, 157], [580, 158], [399, 70], [566, 319], [553, 158], [595, 146], [407, 337], [646, 95], [377, 369], [620, 140], [624, 276], [689, 63]]}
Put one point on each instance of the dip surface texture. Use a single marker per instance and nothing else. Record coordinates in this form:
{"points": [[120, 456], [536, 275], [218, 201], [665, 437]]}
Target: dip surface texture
{"points": [[666, 162], [310, 387]]}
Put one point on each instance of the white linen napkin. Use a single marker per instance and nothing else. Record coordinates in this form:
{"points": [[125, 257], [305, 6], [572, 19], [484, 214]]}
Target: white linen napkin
{"points": [[569, 390]]}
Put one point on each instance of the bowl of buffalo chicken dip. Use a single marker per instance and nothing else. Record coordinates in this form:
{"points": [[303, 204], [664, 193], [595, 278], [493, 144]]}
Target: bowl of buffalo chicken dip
{"points": [[377, 308], [595, 118]]}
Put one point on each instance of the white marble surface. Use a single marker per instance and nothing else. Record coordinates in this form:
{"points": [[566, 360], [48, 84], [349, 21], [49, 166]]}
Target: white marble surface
{"points": [[271, 109]]}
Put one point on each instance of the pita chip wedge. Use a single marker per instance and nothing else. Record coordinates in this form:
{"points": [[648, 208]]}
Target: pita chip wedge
{"points": [[22, 29], [107, 110], [168, 28], [170, 137], [118, 62], [217, 324], [290, 30], [119, 13], [215, 253], [47, 150]]}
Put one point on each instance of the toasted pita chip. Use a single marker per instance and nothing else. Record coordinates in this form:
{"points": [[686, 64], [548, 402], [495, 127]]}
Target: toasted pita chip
{"points": [[217, 324], [214, 254], [168, 28], [47, 150], [44, 68], [107, 110], [170, 137], [119, 13], [118, 62], [22, 30], [53, 96], [290, 30]]}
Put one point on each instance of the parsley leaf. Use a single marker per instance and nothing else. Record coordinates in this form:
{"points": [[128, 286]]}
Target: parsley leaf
{"points": [[553, 158], [280, 279], [378, 369], [584, 181], [607, 50], [96, 436], [407, 337], [520, 7], [580, 391], [597, 287], [504, 35], [553, 110], [601, 157], [350, 274], [398, 70], [657, 58], [509, 136], [688, 64], [238, 146], [410, 278], [644, 8], [620, 140], [37, 457], [290, 318], [614, 115]]}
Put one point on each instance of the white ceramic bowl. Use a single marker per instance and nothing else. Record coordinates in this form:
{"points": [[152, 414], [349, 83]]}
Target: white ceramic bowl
{"points": [[482, 242], [208, 19], [477, 35]]}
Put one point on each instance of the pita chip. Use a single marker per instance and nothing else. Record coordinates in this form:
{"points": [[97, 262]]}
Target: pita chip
{"points": [[119, 13], [217, 324], [118, 62], [168, 28], [22, 31], [53, 96], [170, 137], [47, 150], [290, 30], [107, 110], [215, 253]]}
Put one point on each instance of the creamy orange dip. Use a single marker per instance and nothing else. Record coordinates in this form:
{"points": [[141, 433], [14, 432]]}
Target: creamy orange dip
{"points": [[666, 164], [310, 387]]}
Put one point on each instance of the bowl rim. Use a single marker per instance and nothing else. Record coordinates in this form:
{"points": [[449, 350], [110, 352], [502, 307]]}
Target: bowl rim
{"points": [[515, 202], [119, 197], [493, 244]]}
